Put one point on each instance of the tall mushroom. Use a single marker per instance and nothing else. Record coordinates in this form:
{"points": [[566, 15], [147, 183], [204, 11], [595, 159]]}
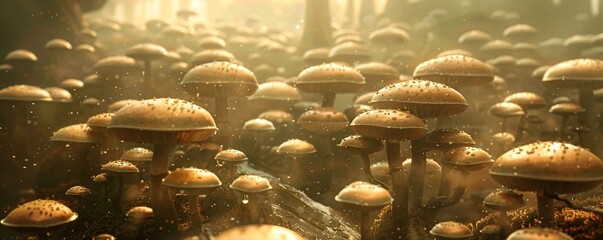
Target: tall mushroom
{"points": [[119, 169], [80, 138], [565, 110], [141, 157], [527, 101], [230, 158], [505, 110], [329, 79], [258, 128], [364, 147], [502, 202], [296, 150], [147, 52]]}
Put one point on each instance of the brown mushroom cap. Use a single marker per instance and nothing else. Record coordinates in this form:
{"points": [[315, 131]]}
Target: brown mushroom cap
{"points": [[39, 214], [91, 102], [519, 31], [58, 45], [448, 139], [474, 37], [212, 42], [231, 156], [389, 36], [504, 61], [275, 94], [360, 145], [364, 194], [295, 147], [24, 93], [503, 138], [99, 122], [364, 99], [258, 126], [380, 169], [577, 42], [323, 121], [146, 52], [539, 72], [104, 236], [251, 184], [316, 56], [431, 166], [277, 116], [424, 99], [576, 73], [455, 70], [329, 77], [504, 200], [550, 166], [115, 65], [137, 154], [535, 233], [451, 230], [527, 100], [497, 47], [119, 166], [389, 125], [506, 109], [140, 212], [259, 232], [378, 74], [102, 177], [77, 133], [527, 63], [163, 120], [212, 55], [467, 159], [59, 94], [490, 230], [349, 51], [21, 55], [78, 191], [456, 51], [566, 109], [228, 78], [71, 83], [85, 49], [191, 178]]}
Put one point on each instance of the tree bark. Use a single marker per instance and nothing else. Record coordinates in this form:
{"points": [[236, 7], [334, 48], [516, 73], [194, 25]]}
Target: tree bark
{"points": [[317, 29]]}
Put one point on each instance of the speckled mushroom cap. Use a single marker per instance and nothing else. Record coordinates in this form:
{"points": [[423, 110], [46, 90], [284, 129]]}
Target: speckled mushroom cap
{"points": [[101, 177], [212, 55], [231, 156], [497, 47], [467, 159], [39, 214], [431, 166], [295, 147], [352, 111], [536, 233], [323, 121], [364, 99], [424, 99], [191, 178], [115, 65], [114, 107], [58, 44], [504, 200], [78, 191], [77, 133], [388, 124], [119, 166], [554, 167], [137, 154], [146, 52], [490, 230], [527, 100], [566, 109], [506, 109], [251, 184], [99, 122], [447, 139], [259, 232], [277, 116], [364, 194], [59, 95], [360, 145], [258, 126], [576, 73], [474, 38], [209, 79], [451, 230], [349, 52], [388, 36], [71, 83], [21, 55], [378, 74], [520, 31], [23, 92], [329, 77], [275, 94], [455, 51], [503, 138], [140, 212], [316, 56], [104, 236], [163, 120], [455, 70]]}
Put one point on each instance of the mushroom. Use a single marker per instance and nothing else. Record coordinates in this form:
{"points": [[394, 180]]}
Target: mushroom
{"points": [[115, 106], [505, 110], [365, 197], [316, 56], [432, 178], [164, 122], [212, 55], [451, 231], [565, 110], [258, 128], [455, 71], [350, 52], [38, 216], [104, 236], [103, 179], [391, 38], [377, 75], [474, 39], [496, 47], [363, 146], [137, 216], [548, 168], [23, 62], [112, 69], [79, 192], [251, 186], [119, 169], [259, 232], [520, 32], [527, 101], [296, 150], [276, 95], [230, 158], [147, 52], [380, 170], [329, 79], [504, 201], [192, 182], [141, 157], [108, 142], [491, 231], [80, 138], [536, 233]]}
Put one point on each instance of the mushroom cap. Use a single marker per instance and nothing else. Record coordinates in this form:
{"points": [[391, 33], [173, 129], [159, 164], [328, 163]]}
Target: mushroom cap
{"points": [[504, 61], [251, 184], [191, 178], [504, 200], [365, 98], [114, 107], [92, 80], [71, 83], [21, 55], [316, 56], [349, 52], [137, 154], [59, 95], [212, 55], [360, 145], [388, 124], [23, 92], [536, 233], [91, 102], [39, 214], [455, 70], [524, 48], [104, 236], [78, 191], [146, 52], [356, 109], [364, 194], [119, 166], [451, 230], [554, 167], [259, 126], [58, 44], [140, 212], [566, 109], [163, 120], [275, 93], [498, 84], [115, 65], [474, 37], [378, 74], [231, 156], [431, 166], [577, 42], [99, 122], [212, 42], [503, 138], [294, 147], [209, 79], [497, 47], [277, 116], [527, 63], [424, 99], [329, 77], [506, 109], [455, 51], [323, 121], [447, 139], [577, 73], [85, 49], [259, 232], [101, 177], [467, 159], [77, 133], [388, 36], [520, 31], [527, 100], [539, 72], [490, 230], [380, 169]]}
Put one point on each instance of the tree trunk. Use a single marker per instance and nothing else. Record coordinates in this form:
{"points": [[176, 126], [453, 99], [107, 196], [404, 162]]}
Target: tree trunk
{"points": [[317, 29], [395, 10]]}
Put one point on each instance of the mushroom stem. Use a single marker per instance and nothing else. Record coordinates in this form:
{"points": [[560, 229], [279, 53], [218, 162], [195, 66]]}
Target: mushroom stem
{"points": [[444, 122], [116, 199], [562, 128], [369, 175], [400, 190], [252, 208], [437, 203], [328, 159], [231, 172], [546, 209], [503, 125], [161, 202], [328, 100], [148, 82], [505, 228], [586, 100], [365, 225], [221, 108], [296, 173], [444, 188], [257, 147], [194, 211], [416, 176]]}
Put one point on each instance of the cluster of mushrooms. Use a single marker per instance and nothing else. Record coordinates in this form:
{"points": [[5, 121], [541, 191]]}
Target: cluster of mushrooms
{"points": [[177, 125]]}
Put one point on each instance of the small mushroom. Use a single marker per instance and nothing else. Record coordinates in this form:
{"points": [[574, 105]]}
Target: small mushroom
{"points": [[259, 232], [119, 169], [296, 150], [230, 158], [258, 128], [536, 233], [363, 146], [451, 231], [504, 201], [251, 186]]}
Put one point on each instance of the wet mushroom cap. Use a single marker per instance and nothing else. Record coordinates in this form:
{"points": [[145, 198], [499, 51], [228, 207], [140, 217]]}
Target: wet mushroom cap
{"points": [[329, 77], [114, 107], [467, 158], [551, 166], [506, 109], [119, 166], [566, 109], [364, 194], [455, 70], [323, 121], [24, 93], [140, 212], [226, 77], [191, 178], [212, 55], [451, 230], [536, 233], [365, 99], [389, 124], [39, 214], [474, 37], [59, 95], [527, 100], [360, 145], [77, 133], [504, 200], [295, 147], [146, 52], [277, 92], [431, 166], [447, 139], [115, 65], [259, 232], [424, 99], [78, 191], [58, 45], [21, 55], [259, 126], [100, 121], [137, 154], [576, 73], [72, 83], [277, 116], [231, 155], [251, 184]]}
